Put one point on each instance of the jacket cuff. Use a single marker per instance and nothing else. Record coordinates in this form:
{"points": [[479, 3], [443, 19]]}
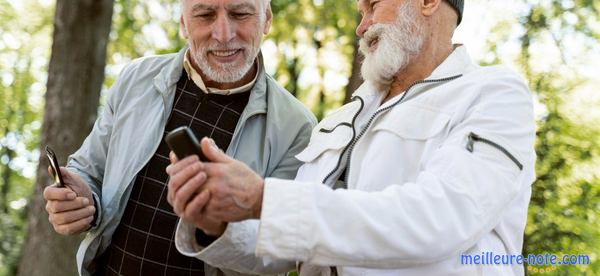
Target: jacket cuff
{"points": [[285, 225], [203, 239], [232, 245], [185, 239]]}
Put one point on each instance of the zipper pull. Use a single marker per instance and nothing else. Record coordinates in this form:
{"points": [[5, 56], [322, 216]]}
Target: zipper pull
{"points": [[472, 138]]}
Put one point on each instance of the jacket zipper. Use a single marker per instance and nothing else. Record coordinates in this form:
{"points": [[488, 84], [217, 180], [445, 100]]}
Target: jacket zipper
{"points": [[476, 138], [364, 130], [362, 105]]}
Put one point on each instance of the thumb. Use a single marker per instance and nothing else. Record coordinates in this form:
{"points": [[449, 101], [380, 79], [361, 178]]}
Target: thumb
{"points": [[212, 151], [74, 182], [67, 178]]}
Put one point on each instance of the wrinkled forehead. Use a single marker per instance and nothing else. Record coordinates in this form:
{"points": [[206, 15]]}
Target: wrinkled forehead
{"points": [[364, 4]]}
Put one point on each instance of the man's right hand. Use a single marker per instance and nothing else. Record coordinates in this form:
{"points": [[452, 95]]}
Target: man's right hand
{"points": [[70, 209]]}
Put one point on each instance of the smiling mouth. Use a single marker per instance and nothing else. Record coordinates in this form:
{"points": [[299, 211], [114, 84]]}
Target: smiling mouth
{"points": [[227, 53]]}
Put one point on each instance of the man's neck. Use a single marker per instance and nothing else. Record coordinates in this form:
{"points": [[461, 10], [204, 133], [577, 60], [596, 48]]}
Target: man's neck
{"points": [[420, 67]]}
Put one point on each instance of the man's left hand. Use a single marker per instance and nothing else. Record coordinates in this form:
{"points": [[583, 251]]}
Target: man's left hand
{"points": [[187, 197]]}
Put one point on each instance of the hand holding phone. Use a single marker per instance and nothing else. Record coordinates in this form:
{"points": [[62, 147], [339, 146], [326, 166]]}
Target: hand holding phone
{"points": [[71, 210], [184, 143], [54, 167]]}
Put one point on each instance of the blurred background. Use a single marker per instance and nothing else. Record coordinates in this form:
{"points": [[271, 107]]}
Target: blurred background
{"points": [[58, 58]]}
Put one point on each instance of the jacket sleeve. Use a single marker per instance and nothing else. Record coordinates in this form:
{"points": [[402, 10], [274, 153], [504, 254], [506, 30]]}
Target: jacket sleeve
{"points": [[235, 249], [90, 159], [458, 196]]}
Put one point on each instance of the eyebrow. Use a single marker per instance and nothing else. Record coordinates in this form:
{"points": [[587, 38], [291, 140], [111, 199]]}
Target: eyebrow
{"points": [[240, 6], [201, 6], [364, 3]]}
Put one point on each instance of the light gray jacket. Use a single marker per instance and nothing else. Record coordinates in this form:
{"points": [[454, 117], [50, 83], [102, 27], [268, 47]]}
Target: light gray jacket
{"points": [[131, 126]]}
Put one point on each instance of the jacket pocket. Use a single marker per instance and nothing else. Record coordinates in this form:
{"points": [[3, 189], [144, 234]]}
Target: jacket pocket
{"points": [[330, 139], [474, 138], [413, 122]]}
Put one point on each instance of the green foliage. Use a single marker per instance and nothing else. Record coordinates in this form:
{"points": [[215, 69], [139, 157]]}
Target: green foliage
{"points": [[144, 28], [565, 206], [314, 41], [141, 28], [24, 50]]}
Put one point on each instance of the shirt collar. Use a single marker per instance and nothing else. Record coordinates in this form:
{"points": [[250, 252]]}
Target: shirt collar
{"points": [[197, 79]]}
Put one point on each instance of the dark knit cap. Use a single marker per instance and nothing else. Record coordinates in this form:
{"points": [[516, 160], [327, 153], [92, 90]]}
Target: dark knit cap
{"points": [[458, 6]]}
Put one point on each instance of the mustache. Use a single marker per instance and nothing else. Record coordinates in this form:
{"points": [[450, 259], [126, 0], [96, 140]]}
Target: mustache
{"points": [[374, 32]]}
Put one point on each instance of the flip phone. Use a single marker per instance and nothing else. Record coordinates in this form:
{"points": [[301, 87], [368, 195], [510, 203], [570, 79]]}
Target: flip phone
{"points": [[54, 167]]}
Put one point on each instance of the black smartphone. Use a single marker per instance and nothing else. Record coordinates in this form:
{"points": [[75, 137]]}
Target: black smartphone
{"points": [[54, 167], [184, 143]]}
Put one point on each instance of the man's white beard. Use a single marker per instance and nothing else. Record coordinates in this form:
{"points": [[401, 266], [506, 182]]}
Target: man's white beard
{"points": [[225, 72], [397, 42]]}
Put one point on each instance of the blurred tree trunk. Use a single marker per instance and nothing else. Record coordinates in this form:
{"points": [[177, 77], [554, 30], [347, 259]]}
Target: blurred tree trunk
{"points": [[75, 77]]}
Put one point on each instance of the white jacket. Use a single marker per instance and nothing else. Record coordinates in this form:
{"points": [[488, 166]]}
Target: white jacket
{"points": [[441, 170]]}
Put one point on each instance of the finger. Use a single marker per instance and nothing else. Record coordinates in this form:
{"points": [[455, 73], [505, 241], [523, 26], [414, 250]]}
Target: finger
{"points": [[53, 192], [212, 151], [187, 192], [196, 206], [180, 165], [68, 217], [173, 157], [176, 181], [54, 206], [75, 226]]}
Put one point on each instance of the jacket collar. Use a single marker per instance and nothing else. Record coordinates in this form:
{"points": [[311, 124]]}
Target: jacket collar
{"points": [[457, 63], [257, 103], [170, 74], [168, 77]]}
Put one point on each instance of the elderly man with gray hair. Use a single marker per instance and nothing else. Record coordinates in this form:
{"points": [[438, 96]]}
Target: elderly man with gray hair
{"points": [[116, 182], [432, 160]]}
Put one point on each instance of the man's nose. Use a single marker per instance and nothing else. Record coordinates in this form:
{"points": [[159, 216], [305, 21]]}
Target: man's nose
{"points": [[363, 26], [223, 29]]}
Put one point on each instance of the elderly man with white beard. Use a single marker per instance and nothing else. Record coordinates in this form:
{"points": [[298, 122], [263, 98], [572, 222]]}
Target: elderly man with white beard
{"points": [[431, 161]]}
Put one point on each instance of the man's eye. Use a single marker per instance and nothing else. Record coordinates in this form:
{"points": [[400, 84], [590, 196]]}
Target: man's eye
{"points": [[204, 15], [374, 4], [240, 15]]}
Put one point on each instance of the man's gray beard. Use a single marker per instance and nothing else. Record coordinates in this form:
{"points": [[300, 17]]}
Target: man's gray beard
{"points": [[225, 72], [397, 43]]}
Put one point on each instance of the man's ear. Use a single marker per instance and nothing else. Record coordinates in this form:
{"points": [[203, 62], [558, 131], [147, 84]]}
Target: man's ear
{"points": [[182, 29], [430, 7], [268, 20]]}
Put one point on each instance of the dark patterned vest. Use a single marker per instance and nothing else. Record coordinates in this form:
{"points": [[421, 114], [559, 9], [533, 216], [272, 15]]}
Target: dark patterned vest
{"points": [[144, 242]]}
